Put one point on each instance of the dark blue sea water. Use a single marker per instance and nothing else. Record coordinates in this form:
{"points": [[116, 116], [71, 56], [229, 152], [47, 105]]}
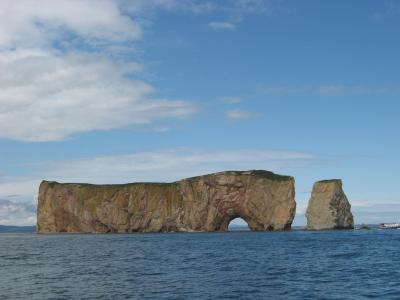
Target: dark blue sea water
{"points": [[235, 265]]}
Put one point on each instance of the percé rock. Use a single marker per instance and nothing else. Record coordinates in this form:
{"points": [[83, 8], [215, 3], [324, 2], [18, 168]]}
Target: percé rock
{"points": [[328, 207], [204, 203]]}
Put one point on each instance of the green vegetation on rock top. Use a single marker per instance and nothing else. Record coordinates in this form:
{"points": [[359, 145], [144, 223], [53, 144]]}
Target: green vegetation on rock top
{"points": [[54, 183], [269, 175], [50, 183], [259, 173], [329, 180]]}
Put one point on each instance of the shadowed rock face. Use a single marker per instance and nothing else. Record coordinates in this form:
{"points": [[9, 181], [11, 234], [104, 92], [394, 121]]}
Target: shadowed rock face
{"points": [[328, 207], [205, 203]]}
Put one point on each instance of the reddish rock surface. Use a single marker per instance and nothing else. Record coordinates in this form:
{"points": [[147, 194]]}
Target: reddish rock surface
{"points": [[204, 203]]}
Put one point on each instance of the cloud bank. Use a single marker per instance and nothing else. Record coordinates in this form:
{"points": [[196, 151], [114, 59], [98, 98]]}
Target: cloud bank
{"points": [[68, 67], [62, 71], [48, 97], [17, 213]]}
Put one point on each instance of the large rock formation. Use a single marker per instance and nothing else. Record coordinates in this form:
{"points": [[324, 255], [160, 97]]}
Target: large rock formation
{"points": [[328, 207], [205, 203]]}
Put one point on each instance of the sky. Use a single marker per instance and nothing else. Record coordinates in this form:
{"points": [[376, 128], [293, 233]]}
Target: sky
{"points": [[114, 91]]}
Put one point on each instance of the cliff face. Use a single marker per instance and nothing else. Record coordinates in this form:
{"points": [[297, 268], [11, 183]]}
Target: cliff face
{"points": [[328, 207], [204, 203]]}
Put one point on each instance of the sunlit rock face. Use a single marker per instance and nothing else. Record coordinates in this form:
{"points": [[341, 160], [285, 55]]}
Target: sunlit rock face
{"points": [[204, 203], [328, 207]]}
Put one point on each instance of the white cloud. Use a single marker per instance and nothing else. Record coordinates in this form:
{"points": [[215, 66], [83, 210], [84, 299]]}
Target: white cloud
{"points": [[48, 97], [17, 213], [218, 26], [29, 23], [19, 188], [237, 114], [49, 94], [63, 66]]}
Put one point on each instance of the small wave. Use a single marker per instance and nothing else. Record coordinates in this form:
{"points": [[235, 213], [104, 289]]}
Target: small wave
{"points": [[345, 255]]}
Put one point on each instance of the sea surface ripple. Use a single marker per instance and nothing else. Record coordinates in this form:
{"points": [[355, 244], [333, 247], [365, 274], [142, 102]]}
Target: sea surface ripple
{"points": [[235, 265]]}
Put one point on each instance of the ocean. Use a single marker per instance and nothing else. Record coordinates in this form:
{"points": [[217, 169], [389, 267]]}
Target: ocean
{"points": [[362, 264]]}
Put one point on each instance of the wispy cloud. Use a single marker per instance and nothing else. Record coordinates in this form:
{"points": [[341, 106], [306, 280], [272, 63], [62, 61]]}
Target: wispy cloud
{"points": [[327, 89], [373, 213], [231, 100], [392, 9], [234, 9], [172, 6], [172, 164], [219, 26], [162, 129], [238, 10], [237, 114]]}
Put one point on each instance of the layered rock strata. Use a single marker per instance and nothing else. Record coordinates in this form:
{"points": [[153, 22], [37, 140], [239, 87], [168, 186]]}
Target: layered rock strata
{"points": [[329, 207], [204, 203]]}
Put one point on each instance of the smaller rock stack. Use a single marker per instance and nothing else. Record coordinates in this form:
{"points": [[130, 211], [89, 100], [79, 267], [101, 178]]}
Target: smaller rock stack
{"points": [[328, 207]]}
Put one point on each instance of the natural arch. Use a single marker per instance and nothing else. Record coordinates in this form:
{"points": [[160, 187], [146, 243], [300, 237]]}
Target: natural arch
{"points": [[265, 201], [238, 224]]}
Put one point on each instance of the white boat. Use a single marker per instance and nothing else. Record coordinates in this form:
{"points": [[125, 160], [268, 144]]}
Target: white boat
{"points": [[389, 225]]}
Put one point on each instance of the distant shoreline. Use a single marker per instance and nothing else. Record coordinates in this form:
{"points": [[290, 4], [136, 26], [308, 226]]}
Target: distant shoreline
{"points": [[17, 229]]}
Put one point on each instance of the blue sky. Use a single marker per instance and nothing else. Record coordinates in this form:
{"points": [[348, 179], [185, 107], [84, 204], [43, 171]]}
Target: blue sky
{"points": [[157, 90]]}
